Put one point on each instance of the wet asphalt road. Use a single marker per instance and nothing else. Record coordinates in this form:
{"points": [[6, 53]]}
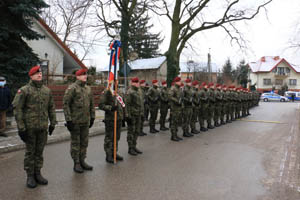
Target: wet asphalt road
{"points": [[255, 158]]}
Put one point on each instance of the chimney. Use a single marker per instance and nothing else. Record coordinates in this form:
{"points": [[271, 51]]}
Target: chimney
{"points": [[276, 58]]}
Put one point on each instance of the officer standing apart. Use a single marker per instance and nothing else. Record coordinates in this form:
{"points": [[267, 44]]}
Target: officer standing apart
{"points": [[33, 108], [4, 104], [164, 106], [111, 103], [153, 97], [78, 104], [134, 109]]}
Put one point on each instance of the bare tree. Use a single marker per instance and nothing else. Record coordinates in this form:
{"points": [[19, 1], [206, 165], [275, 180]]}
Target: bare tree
{"points": [[189, 17], [72, 21]]}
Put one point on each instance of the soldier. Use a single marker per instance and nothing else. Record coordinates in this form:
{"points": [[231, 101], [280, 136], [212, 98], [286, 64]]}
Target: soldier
{"points": [[228, 104], [233, 99], [218, 105], [111, 103], [196, 107], [78, 105], [211, 107], [243, 102], [175, 105], [153, 97], [143, 91], [146, 102], [248, 104], [238, 104], [33, 107], [134, 109], [203, 112], [164, 105], [188, 108], [224, 104]]}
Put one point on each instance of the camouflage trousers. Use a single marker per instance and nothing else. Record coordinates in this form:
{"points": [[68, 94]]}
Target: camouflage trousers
{"points": [[195, 114], [203, 114], [163, 114], [223, 111], [210, 114], [109, 135], [232, 110], [187, 117], [238, 110], [153, 116], [2, 120], [146, 111], [133, 131], [35, 144], [175, 118], [217, 112], [79, 142], [244, 109]]}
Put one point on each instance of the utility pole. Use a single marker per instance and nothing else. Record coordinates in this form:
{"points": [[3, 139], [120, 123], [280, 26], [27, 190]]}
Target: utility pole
{"points": [[209, 66]]}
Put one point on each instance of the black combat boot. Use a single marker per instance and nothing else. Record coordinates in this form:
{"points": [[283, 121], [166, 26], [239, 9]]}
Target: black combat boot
{"points": [[85, 166], [178, 138], [194, 131], [185, 134], [173, 138], [119, 158], [152, 130], [190, 134], [77, 168], [155, 130], [203, 129], [222, 122], [210, 126], [163, 128], [39, 178], [132, 152], [137, 150], [31, 183], [217, 124], [142, 134], [109, 158]]}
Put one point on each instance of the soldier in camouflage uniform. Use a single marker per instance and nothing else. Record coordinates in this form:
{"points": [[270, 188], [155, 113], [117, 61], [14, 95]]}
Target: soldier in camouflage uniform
{"points": [[218, 105], [134, 109], [146, 102], [196, 108], [211, 107], [33, 108], [249, 100], [153, 97], [238, 104], [78, 105], [203, 112], [224, 104], [187, 108], [228, 104], [111, 103], [175, 108], [143, 91], [164, 106], [243, 102], [233, 106]]}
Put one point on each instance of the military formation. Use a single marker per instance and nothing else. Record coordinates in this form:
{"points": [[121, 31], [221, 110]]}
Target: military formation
{"points": [[187, 103]]}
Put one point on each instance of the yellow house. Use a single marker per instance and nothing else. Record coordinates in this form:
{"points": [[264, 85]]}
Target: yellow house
{"points": [[274, 72]]}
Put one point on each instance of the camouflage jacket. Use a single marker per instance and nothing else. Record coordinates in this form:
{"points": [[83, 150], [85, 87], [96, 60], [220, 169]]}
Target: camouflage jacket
{"points": [[134, 102], [218, 96], [196, 98], [163, 95], [78, 103], [153, 96], [33, 107], [142, 95], [187, 96], [107, 101], [211, 96], [174, 98]]}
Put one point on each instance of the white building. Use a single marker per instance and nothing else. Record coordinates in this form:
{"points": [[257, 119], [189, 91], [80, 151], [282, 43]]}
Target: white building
{"points": [[272, 71]]}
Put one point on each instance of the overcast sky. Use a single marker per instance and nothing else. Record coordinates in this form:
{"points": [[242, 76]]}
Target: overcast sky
{"points": [[266, 37]]}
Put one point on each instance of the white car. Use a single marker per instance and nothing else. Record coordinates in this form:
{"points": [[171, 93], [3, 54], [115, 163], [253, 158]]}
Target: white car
{"points": [[273, 97]]}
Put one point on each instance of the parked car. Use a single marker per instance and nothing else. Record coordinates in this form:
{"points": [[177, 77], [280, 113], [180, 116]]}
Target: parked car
{"points": [[289, 94], [273, 97]]}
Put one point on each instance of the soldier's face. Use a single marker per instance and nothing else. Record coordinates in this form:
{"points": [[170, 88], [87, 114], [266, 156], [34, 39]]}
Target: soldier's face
{"points": [[82, 78], [37, 76]]}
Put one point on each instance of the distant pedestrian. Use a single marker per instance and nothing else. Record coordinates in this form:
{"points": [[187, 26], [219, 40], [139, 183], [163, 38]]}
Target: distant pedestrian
{"points": [[293, 97], [5, 102], [79, 113], [33, 108]]}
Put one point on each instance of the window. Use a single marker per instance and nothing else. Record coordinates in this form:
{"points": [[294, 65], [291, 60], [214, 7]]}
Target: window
{"points": [[292, 81], [287, 70], [267, 81], [280, 71], [278, 82]]}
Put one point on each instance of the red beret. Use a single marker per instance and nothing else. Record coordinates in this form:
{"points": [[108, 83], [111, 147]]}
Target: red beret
{"points": [[135, 80], [211, 84], [195, 83], [173, 83], [34, 70], [182, 84], [188, 80], [177, 79], [154, 81], [142, 81], [203, 84], [224, 86], [164, 82], [81, 72], [218, 85]]}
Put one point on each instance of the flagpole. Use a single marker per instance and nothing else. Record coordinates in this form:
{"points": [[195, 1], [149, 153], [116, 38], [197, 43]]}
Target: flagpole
{"points": [[115, 93]]}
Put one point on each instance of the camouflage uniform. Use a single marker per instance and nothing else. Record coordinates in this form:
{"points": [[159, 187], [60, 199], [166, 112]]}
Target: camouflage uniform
{"points": [[107, 102], [232, 105], [33, 107], [211, 107], [203, 112], [187, 110], [238, 105], [153, 97], [175, 110], [228, 106], [218, 107], [146, 103], [134, 108], [195, 110], [142, 94], [223, 106], [78, 105], [164, 106]]}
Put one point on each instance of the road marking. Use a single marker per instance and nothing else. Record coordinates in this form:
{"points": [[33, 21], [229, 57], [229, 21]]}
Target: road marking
{"points": [[262, 121]]}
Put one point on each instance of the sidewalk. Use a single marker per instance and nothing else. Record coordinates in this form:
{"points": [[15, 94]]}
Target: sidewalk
{"points": [[61, 133]]}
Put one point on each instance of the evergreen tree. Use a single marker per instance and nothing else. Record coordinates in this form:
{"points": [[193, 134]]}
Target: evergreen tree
{"points": [[228, 73], [141, 41], [242, 74], [16, 57]]}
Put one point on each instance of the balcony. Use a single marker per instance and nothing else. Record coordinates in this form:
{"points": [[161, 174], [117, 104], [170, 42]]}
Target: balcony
{"points": [[282, 74]]}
